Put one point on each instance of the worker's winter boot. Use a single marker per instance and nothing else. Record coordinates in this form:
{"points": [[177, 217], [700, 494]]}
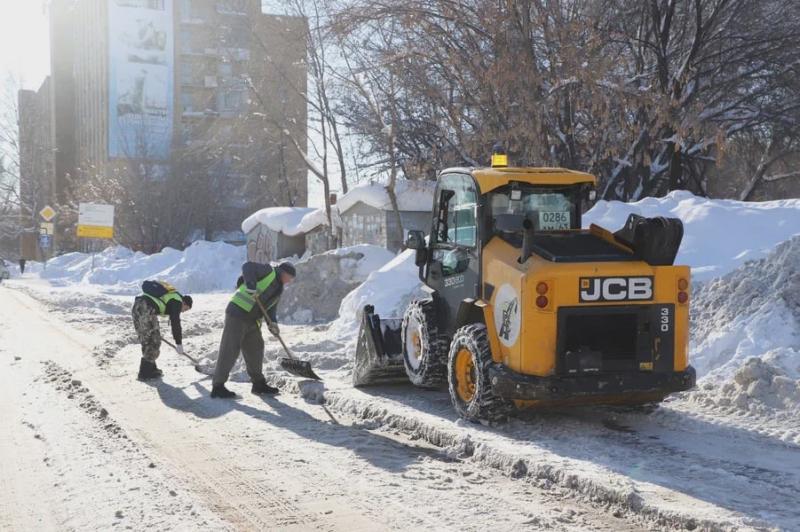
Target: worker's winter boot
{"points": [[262, 388], [148, 371], [219, 391]]}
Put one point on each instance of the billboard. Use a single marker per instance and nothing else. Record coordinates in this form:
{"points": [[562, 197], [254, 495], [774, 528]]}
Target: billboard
{"points": [[140, 77]]}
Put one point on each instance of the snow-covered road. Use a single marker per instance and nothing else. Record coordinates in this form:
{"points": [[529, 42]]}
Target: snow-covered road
{"points": [[86, 446]]}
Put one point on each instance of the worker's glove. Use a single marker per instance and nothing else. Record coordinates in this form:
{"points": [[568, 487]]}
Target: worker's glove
{"points": [[179, 349], [273, 328]]}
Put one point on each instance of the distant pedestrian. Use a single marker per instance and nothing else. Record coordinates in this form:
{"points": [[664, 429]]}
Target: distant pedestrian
{"points": [[242, 332], [157, 299], [21, 266]]}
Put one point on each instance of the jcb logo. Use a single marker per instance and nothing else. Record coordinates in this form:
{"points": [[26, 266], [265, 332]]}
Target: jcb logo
{"points": [[594, 289]]}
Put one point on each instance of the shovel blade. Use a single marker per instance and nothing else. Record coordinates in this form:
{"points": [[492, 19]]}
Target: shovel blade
{"points": [[299, 368]]}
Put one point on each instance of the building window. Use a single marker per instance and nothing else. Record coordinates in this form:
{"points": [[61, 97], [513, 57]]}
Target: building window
{"points": [[186, 102], [186, 74], [231, 100]]}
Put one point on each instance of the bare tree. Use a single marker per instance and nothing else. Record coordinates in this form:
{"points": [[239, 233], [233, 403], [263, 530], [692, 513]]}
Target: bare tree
{"points": [[646, 94], [320, 146], [370, 94]]}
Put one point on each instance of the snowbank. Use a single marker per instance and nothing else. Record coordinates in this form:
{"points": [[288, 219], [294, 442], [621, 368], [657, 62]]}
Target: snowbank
{"points": [[411, 196], [389, 289], [753, 311], [746, 338], [290, 221], [323, 280], [202, 267], [719, 235], [372, 258]]}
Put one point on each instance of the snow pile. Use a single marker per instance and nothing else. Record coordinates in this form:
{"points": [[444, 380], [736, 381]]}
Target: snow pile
{"points": [[389, 289], [323, 280], [202, 267], [753, 311], [372, 258], [411, 196], [759, 384], [719, 235], [746, 337], [290, 221]]}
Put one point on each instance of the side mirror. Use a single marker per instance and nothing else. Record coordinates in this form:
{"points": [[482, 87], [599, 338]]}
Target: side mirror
{"points": [[415, 240]]}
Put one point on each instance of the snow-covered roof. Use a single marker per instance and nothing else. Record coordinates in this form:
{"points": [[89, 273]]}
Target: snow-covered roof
{"points": [[290, 221], [411, 196]]}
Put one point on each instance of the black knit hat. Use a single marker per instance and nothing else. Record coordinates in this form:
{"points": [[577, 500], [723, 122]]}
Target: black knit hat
{"points": [[187, 300], [287, 267]]}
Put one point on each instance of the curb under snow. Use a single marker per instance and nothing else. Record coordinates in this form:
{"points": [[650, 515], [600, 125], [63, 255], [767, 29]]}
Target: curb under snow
{"points": [[662, 506]]}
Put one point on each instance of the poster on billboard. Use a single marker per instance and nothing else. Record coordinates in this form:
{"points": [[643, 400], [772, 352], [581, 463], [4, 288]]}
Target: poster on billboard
{"points": [[95, 220], [141, 66]]}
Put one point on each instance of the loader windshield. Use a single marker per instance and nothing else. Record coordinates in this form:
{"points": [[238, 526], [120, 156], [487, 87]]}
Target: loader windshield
{"points": [[549, 208]]}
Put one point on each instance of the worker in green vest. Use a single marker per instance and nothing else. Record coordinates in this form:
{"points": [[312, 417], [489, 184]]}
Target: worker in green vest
{"points": [[158, 298], [243, 317]]}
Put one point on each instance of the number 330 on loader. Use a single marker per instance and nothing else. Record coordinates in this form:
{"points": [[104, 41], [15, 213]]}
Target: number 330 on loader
{"points": [[524, 308]]}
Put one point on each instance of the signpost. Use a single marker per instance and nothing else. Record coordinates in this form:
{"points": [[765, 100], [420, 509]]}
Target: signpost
{"points": [[46, 231]]}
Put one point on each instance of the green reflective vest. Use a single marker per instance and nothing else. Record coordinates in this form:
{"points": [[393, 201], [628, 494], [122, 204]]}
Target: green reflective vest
{"points": [[242, 299], [161, 302]]}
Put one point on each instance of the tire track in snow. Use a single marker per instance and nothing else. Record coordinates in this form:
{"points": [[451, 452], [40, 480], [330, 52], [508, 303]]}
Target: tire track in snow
{"points": [[662, 505]]}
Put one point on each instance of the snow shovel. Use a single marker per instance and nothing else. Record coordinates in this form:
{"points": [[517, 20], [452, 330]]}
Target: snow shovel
{"points": [[196, 362], [299, 368]]}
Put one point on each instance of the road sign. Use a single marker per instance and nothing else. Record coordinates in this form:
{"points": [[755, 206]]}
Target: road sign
{"points": [[95, 220], [48, 213], [46, 228], [45, 241]]}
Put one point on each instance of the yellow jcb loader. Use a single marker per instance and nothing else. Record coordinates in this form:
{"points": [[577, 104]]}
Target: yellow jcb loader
{"points": [[524, 308]]}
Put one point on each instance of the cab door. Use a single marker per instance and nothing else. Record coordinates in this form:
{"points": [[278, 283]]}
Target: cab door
{"points": [[454, 267]]}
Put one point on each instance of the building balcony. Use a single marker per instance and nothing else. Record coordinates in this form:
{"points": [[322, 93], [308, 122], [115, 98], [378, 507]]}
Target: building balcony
{"points": [[205, 52], [192, 113], [223, 9], [208, 82], [235, 54]]}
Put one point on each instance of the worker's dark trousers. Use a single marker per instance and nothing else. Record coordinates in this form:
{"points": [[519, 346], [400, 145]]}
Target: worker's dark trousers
{"points": [[240, 335]]}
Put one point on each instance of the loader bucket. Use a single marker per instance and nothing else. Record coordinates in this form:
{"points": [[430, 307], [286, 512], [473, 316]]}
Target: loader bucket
{"points": [[379, 355]]}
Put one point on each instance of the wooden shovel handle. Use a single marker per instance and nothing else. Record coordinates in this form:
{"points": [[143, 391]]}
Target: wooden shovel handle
{"points": [[269, 322]]}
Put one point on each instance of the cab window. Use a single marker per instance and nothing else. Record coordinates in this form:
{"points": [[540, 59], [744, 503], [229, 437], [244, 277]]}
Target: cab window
{"points": [[549, 208], [456, 211]]}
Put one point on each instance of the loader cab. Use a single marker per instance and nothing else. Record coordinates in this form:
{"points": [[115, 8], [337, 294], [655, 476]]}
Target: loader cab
{"points": [[465, 220]]}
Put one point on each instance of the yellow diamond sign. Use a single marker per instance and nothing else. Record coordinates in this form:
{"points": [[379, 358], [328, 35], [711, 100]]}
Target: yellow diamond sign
{"points": [[48, 213]]}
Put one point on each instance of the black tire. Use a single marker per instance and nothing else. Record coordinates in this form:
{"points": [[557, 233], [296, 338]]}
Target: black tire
{"points": [[468, 377], [424, 349]]}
